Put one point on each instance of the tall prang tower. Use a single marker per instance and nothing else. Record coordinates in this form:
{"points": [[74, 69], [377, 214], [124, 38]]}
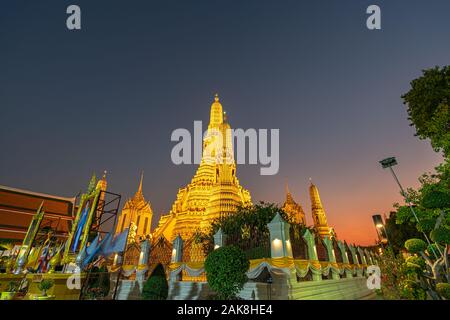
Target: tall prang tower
{"points": [[214, 191], [318, 213]]}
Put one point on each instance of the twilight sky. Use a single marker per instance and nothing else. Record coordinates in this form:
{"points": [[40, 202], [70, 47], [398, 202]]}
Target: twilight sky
{"points": [[109, 96]]}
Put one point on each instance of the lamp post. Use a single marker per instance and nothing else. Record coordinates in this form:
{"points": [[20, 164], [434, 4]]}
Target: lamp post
{"points": [[389, 163], [380, 226]]}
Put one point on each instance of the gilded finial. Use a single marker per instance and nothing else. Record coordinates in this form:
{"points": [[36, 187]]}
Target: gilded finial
{"points": [[287, 186], [140, 182], [216, 97], [225, 116]]}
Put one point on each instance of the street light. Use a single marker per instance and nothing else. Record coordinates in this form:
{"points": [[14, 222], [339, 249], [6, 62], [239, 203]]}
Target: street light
{"points": [[389, 163], [379, 225]]}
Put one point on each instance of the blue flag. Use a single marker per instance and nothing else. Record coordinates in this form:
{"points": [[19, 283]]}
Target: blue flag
{"points": [[115, 245], [80, 227]]}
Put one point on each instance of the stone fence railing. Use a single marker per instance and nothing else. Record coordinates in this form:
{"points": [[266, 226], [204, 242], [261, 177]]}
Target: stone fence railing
{"points": [[307, 255], [311, 257]]}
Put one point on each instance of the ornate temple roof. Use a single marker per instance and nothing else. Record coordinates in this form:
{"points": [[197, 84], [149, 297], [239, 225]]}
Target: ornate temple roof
{"points": [[138, 201], [292, 208]]}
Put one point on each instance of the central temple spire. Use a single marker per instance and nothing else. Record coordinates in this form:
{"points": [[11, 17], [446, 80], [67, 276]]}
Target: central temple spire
{"points": [[214, 191], [216, 118]]}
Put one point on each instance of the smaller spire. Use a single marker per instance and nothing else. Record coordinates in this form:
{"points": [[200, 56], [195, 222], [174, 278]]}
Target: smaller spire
{"points": [[140, 182], [225, 118], [287, 186]]}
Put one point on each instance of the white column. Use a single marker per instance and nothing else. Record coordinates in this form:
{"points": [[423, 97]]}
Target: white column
{"points": [[331, 255], [280, 244], [312, 251]]}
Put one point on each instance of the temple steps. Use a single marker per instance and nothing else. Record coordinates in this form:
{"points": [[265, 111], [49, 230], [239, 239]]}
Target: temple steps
{"points": [[127, 290], [343, 289], [186, 290]]}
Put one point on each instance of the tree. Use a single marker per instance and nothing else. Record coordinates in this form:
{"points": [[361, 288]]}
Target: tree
{"points": [[247, 228], [429, 268], [226, 269], [156, 287], [400, 278], [428, 107], [398, 233]]}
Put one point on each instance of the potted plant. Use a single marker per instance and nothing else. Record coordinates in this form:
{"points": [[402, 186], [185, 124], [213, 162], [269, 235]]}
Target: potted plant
{"points": [[44, 286], [10, 292]]}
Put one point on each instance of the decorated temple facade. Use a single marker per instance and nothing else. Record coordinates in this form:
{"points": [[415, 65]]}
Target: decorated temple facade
{"points": [[214, 190], [137, 214]]}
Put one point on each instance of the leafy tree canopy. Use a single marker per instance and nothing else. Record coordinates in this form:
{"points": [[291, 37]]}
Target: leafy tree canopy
{"points": [[248, 226], [428, 107]]}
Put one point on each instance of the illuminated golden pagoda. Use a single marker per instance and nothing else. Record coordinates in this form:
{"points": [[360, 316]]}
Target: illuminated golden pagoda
{"points": [[293, 209], [214, 190], [137, 213], [318, 213]]}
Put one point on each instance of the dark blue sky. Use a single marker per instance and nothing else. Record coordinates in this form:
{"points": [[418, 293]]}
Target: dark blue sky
{"points": [[109, 96]]}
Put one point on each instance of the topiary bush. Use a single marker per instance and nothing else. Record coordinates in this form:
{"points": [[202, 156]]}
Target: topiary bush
{"points": [[415, 245], [226, 270], [416, 264], [444, 290], [441, 235], [156, 287], [45, 285]]}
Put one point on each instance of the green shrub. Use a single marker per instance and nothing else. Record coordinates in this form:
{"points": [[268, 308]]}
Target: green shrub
{"points": [[411, 290], [441, 235], [415, 263], [415, 245], [156, 287], [444, 290], [99, 284], [13, 286], [226, 270]]}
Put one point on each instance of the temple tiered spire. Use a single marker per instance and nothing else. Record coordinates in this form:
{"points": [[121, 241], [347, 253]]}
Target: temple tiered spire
{"points": [[318, 213], [214, 190]]}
